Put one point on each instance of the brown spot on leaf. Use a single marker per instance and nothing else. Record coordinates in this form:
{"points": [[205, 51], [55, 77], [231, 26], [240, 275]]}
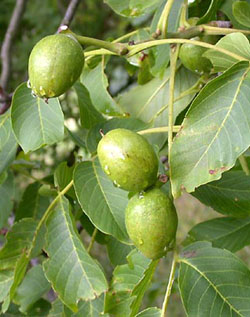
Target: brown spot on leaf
{"points": [[189, 254]]}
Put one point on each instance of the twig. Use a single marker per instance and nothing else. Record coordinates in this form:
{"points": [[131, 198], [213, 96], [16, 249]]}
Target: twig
{"points": [[243, 163], [70, 12], [173, 60], [170, 285], [8, 41], [176, 128], [163, 22], [92, 240]]}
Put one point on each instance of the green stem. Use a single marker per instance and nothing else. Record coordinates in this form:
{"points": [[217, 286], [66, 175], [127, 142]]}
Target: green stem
{"points": [[102, 51], [140, 47], [47, 213], [183, 15], [243, 163], [117, 48], [163, 21], [212, 30], [92, 240], [175, 128], [170, 285], [173, 60], [90, 54]]}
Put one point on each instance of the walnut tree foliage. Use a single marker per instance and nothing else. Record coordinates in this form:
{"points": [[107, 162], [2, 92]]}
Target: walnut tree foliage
{"points": [[56, 201]]}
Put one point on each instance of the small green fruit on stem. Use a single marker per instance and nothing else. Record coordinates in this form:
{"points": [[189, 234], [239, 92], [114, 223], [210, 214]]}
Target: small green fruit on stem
{"points": [[128, 159], [55, 63], [191, 55], [151, 222]]}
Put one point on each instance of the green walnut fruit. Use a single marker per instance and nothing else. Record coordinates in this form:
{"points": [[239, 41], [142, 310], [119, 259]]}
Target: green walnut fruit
{"points": [[151, 222], [192, 59], [128, 159], [55, 63]]}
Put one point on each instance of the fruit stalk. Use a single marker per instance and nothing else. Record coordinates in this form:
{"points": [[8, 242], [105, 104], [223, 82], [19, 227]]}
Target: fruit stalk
{"points": [[117, 48]]}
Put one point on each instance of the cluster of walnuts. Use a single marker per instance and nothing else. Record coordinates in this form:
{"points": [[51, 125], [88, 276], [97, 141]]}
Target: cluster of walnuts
{"points": [[126, 157], [129, 160]]}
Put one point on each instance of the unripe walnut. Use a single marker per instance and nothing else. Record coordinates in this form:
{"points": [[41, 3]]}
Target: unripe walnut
{"points": [[128, 159], [55, 63]]}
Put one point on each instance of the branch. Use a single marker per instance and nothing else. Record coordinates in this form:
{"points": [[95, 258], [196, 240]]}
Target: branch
{"points": [[8, 41], [70, 12]]}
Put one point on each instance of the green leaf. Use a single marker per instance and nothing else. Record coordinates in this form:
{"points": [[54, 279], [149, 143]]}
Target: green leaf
{"points": [[230, 195], [118, 251], [94, 135], [63, 175], [213, 282], [129, 284], [78, 137], [17, 240], [95, 80], [236, 43], [92, 308], [6, 280], [35, 122], [132, 8], [19, 271], [150, 312], [225, 233], [7, 192], [100, 200], [57, 309], [16, 253], [144, 102], [211, 12], [73, 274], [144, 74], [227, 9], [8, 144], [241, 12], [32, 205], [215, 131], [33, 286], [40, 308], [89, 227], [141, 287], [89, 116]]}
